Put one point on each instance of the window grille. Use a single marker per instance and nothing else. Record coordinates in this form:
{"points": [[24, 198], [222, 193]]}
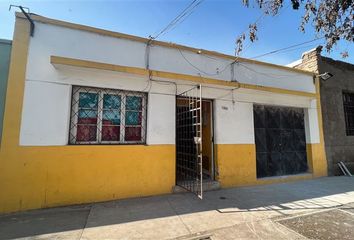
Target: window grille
{"points": [[107, 116], [348, 103]]}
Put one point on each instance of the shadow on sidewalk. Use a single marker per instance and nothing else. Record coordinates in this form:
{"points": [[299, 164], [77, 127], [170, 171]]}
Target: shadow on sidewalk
{"points": [[304, 195]]}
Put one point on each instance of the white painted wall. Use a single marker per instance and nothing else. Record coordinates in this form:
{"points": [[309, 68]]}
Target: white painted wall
{"points": [[46, 113], [161, 119], [272, 77], [311, 124], [233, 122], [60, 41], [46, 108]]}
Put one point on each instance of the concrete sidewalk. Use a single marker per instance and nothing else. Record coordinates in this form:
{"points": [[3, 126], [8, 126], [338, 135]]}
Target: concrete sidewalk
{"points": [[320, 209]]}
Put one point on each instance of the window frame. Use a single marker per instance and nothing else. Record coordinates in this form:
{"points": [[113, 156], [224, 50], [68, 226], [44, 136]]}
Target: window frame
{"points": [[76, 90], [346, 104]]}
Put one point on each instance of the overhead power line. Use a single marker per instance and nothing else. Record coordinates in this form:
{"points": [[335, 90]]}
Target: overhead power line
{"points": [[286, 48], [219, 71], [188, 11], [179, 18]]}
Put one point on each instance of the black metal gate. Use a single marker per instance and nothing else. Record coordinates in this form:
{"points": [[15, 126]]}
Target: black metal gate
{"points": [[280, 140], [189, 141]]}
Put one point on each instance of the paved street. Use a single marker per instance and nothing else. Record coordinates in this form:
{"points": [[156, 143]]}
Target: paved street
{"points": [[314, 209]]}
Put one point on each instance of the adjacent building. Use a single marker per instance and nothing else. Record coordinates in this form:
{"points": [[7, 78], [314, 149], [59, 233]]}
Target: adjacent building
{"points": [[93, 115], [5, 51], [337, 100]]}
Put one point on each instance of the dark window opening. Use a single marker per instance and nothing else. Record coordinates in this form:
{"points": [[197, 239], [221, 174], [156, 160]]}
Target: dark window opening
{"points": [[348, 103]]}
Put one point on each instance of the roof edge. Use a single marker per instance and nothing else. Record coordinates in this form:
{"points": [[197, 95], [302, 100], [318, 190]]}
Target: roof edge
{"points": [[294, 63], [5, 41], [76, 26], [338, 62]]}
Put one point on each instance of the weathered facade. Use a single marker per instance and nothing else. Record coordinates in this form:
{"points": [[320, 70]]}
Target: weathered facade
{"points": [[337, 118], [93, 115]]}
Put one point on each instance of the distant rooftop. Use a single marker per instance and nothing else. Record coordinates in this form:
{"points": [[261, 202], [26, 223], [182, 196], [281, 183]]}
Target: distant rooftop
{"points": [[6, 41], [326, 59]]}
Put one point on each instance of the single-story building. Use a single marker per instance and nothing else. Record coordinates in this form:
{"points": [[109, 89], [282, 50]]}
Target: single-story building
{"points": [[337, 101], [93, 115]]}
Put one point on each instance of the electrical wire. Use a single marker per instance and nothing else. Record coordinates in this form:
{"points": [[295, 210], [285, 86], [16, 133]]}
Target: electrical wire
{"points": [[188, 11], [294, 49], [286, 48], [179, 18], [265, 74], [173, 22], [148, 86], [222, 97], [186, 15], [246, 29], [280, 50], [232, 73], [256, 22], [165, 82], [201, 71], [162, 82], [237, 57]]}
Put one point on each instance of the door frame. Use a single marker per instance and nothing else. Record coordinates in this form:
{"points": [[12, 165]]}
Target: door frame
{"points": [[213, 172], [213, 164]]}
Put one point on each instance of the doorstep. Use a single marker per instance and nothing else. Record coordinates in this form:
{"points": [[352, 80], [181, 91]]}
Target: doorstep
{"points": [[208, 185]]}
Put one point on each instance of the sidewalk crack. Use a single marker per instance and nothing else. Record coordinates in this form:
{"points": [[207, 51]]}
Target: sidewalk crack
{"points": [[179, 217], [87, 217]]}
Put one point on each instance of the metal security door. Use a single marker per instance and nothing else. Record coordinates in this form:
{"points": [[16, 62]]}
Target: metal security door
{"points": [[280, 140], [189, 174]]}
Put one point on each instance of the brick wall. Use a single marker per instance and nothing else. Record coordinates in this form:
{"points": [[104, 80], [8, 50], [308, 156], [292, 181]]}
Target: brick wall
{"points": [[339, 146]]}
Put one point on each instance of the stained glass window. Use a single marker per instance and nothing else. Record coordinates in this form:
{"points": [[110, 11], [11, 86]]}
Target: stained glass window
{"points": [[87, 117], [111, 117], [107, 116]]}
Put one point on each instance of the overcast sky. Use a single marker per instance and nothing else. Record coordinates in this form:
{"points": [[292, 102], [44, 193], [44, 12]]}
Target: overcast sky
{"points": [[214, 25]]}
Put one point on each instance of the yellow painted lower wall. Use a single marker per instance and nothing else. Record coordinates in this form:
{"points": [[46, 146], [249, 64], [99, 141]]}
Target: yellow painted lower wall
{"points": [[316, 158], [237, 165], [38, 177]]}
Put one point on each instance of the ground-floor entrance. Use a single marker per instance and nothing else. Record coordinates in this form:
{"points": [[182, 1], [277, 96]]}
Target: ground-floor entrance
{"points": [[194, 141]]}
